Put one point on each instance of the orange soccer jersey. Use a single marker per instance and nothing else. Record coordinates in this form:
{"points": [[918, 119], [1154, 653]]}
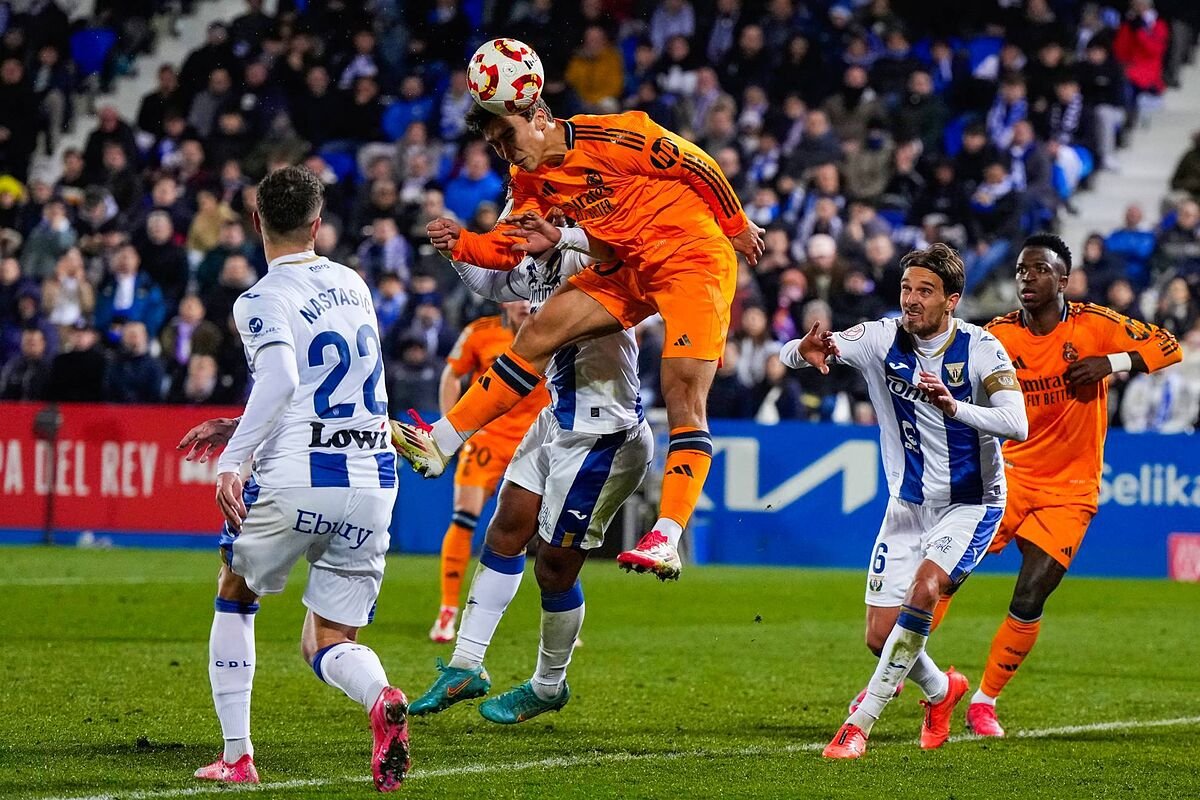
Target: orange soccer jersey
{"points": [[631, 183], [480, 344], [661, 203], [1054, 475]]}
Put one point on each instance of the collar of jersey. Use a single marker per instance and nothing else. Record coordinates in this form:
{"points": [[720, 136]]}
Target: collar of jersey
{"points": [[945, 345], [1066, 312], [293, 258]]}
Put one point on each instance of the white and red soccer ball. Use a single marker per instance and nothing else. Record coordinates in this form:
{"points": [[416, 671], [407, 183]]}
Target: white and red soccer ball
{"points": [[505, 76]]}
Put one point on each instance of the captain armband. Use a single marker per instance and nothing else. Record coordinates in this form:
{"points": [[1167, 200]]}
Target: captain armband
{"points": [[1001, 381]]}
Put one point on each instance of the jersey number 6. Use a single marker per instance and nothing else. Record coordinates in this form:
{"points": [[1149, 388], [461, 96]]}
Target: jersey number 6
{"points": [[324, 393]]}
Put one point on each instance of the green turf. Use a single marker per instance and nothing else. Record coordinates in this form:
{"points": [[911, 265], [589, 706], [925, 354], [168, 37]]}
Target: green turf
{"points": [[718, 686]]}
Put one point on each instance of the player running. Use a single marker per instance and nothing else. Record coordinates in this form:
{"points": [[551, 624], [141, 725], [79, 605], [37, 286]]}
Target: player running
{"points": [[1063, 352], [323, 482], [674, 223], [584, 456], [945, 394], [484, 458]]}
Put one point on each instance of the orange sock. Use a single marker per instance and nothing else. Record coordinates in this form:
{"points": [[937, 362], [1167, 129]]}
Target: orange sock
{"points": [[1012, 644], [939, 611], [688, 459], [456, 554], [506, 382]]}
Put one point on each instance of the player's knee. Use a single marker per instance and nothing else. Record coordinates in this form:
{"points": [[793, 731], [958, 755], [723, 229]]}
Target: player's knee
{"points": [[1028, 603], [231, 586], [506, 537], [925, 592], [557, 568]]}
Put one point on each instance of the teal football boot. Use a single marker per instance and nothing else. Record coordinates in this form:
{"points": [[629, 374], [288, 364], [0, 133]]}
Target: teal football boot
{"points": [[452, 686]]}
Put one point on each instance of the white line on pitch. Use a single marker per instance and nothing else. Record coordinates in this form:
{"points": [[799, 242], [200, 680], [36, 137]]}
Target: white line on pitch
{"points": [[100, 580], [609, 758]]}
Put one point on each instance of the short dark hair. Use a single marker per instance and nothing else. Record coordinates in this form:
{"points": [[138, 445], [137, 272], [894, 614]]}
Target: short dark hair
{"points": [[1052, 243], [289, 199], [478, 118], [942, 260]]}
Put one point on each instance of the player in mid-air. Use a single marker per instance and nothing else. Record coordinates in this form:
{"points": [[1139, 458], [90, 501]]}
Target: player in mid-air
{"points": [[584, 456], [484, 458], [945, 394], [674, 223], [323, 482], [1063, 352]]}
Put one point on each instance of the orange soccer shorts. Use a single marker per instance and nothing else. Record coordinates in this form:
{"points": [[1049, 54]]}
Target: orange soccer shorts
{"points": [[692, 288], [483, 460], [1056, 525]]}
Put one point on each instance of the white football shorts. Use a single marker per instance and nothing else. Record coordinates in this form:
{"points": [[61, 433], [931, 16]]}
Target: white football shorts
{"points": [[955, 537], [342, 532], [583, 478]]}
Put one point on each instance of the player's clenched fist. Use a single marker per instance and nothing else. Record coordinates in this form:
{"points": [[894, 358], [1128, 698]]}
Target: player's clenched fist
{"points": [[750, 243], [444, 233], [937, 393]]}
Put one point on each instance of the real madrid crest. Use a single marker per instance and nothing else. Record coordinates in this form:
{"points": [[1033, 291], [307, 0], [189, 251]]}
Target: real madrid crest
{"points": [[1070, 354]]}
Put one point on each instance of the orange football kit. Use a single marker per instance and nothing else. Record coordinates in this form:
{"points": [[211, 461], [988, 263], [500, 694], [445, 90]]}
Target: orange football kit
{"points": [[1054, 475], [484, 458], [668, 212]]}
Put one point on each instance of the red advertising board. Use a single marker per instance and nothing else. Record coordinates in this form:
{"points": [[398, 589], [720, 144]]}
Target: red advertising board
{"points": [[112, 467]]}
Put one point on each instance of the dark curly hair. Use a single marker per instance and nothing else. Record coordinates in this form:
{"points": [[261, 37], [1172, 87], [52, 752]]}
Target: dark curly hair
{"points": [[942, 260], [289, 199], [1054, 244]]}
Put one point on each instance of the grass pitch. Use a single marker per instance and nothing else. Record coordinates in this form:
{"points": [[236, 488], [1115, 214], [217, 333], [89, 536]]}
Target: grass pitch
{"points": [[726, 684]]}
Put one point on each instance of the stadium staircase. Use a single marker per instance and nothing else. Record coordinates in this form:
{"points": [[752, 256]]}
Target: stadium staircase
{"points": [[1146, 165], [128, 90]]}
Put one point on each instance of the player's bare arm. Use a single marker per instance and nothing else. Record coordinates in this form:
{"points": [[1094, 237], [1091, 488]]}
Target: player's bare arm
{"points": [[203, 441]]}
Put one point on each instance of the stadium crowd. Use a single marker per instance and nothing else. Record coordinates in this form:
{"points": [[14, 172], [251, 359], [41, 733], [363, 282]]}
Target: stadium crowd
{"points": [[852, 131]]}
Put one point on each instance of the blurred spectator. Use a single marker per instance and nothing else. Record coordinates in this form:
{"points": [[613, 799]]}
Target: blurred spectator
{"points": [[236, 277], [748, 64], [1103, 83], [1134, 244], [385, 251], [413, 105], [166, 97], [129, 295], [921, 113], [856, 302], [1140, 45], [778, 395], [188, 334], [429, 328], [119, 177], [994, 222], [162, 260], [854, 106], [824, 272], [110, 129], [231, 241], [77, 374], [671, 18], [475, 183], [596, 72], [1179, 245], [67, 295], [390, 300], [1161, 402], [1101, 266], [47, 242], [201, 384], [1187, 172], [412, 378], [883, 270], [1177, 308], [755, 343], [134, 376], [729, 397], [51, 81], [19, 119], [25, 375], [211, 215], [1009, 108]]}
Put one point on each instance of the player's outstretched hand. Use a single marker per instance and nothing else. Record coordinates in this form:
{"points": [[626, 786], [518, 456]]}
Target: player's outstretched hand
{"points": [[443, 233], [229, 499], [535, 233], [750, 243], [816, 347], [937, 393], [203, 441], [1087, 371]]}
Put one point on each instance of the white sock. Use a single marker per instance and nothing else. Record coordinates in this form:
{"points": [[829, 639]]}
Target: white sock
{"points": [[446, 438], [562, 619], [926, 674], [670, 529], [231, 673], [980, 697], [495, 585], [355, 669], [901, 650]]}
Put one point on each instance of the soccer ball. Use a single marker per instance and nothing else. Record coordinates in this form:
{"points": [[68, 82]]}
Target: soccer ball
{"points": [[505, 76]]}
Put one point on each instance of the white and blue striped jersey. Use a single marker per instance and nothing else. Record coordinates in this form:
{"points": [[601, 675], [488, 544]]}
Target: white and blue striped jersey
{"points": [[334, 431], [594, 385], [929, 458]]}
